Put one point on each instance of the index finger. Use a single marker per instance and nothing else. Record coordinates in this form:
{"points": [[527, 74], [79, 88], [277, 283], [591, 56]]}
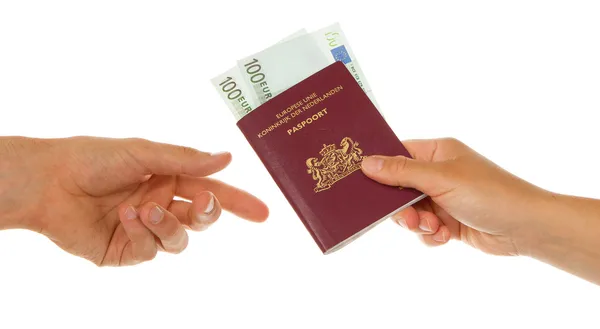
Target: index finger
{"points": [[232, 199], [167, 159]]}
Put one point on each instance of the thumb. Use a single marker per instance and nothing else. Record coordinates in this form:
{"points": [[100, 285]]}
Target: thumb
{"points": [[167, 159], [404, 172]]}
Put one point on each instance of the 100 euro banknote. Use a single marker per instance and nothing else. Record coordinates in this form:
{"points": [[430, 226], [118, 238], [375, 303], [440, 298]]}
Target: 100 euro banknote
{"points": [[266, 74], [235, 92], [276, 69], [333, 42]]}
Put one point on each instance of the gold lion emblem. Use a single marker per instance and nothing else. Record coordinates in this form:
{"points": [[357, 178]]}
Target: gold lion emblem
{"points": [[335, 164]]}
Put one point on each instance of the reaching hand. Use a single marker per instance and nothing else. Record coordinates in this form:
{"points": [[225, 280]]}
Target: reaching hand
{"points": [[111, 201]]}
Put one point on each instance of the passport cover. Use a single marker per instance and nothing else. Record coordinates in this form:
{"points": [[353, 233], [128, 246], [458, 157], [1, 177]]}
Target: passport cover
{"points": [[312, 139]]}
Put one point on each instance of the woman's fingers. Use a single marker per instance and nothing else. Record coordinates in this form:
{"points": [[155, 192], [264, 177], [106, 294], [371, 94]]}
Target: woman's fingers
{"points": [[165, 159], [407, 218], [153, 228], [198, 215], [165, 226], [441, 237], [234, 200], [141, 246], [417, 220], [430, 228]]}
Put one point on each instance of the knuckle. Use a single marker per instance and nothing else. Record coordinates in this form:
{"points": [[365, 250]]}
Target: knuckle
{"points": [[137, 144], [148, 254], [451, 141], [200, 226], [171, 231], [398, 165], [187, 151], [182, 245], [179, 246], [137, 141], [426, 241], [147, 250]]}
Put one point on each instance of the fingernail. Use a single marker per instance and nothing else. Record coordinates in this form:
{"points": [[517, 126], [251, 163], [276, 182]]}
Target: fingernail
{"points": [[156, 215], [218, 153], [130, 213], [424, 225], [401, 222], [439, 238], [372, 164], [210, 206], [204, 218]]}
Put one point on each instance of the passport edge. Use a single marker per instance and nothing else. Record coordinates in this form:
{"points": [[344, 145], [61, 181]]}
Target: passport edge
{"points": [[358, 234]]}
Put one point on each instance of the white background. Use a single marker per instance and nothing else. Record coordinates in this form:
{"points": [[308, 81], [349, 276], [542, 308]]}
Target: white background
{"points": [[517, 80]]}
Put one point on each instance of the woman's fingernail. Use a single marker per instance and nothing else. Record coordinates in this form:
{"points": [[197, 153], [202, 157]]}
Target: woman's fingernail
{"points": [[210, 206], [218, 153], [372, 164], [205, 217], [401, 222], [424, 225], [156, 215], [440, 236], [130, 213]]}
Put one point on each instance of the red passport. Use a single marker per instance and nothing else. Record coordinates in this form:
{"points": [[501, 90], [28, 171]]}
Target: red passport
{"points": [[312, 139]]}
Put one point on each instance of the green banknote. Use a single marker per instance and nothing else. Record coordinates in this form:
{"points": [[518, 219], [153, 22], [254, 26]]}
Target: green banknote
{"points": [[333, 43], [264, 75], [234, 90], [275, 69]]}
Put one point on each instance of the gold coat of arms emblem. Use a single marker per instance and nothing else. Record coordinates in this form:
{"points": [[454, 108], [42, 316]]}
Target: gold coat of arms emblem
{"points": [[335, 163]]}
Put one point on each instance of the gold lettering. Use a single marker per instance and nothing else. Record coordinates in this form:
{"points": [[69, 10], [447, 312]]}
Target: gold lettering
{"points": [[310, 120], [295, 110]]}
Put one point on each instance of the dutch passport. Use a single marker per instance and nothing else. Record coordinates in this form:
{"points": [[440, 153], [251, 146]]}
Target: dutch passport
{"points": [[312, 139]]}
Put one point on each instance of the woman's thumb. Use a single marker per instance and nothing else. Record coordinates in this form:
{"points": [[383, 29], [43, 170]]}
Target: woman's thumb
{"points": [[403, 171]]}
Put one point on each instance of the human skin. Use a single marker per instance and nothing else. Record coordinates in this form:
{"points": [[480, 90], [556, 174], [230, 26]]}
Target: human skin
{"points": [[111, 201], [475, 201]]}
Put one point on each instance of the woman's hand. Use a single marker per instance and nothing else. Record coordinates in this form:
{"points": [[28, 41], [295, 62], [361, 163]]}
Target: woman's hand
{"points": [[475, 201], [471, 198]]}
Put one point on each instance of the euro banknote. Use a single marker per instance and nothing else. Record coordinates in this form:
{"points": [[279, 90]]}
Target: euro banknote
{"points": [[274, 70], [265, 74], [333, 42], [234, 91], [278, 68]]}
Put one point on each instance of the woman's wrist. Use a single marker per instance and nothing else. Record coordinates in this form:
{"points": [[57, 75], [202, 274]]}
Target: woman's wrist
{"points": [[564, 233], [541, 224]]}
